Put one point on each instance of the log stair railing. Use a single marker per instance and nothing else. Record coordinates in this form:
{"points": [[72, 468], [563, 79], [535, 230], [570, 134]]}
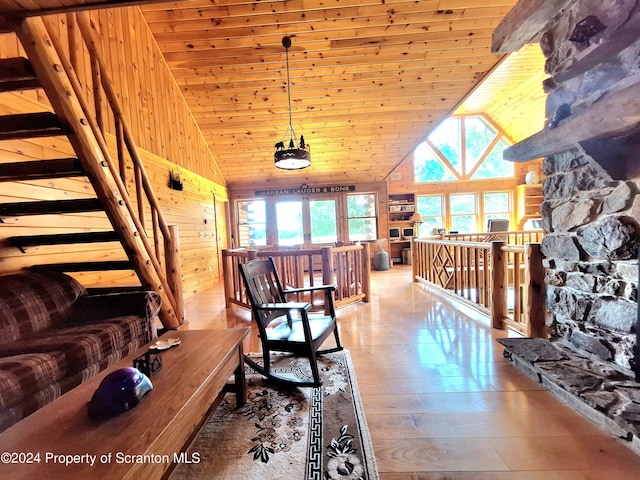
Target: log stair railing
{"points": [[46, 68]]}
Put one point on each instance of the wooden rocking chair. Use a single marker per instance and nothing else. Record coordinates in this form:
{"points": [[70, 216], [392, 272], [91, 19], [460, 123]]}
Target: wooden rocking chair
{"points": [[287, 326]]}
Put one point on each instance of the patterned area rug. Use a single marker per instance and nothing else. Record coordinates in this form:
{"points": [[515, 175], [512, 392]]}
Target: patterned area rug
{"points": [[288, 433]]}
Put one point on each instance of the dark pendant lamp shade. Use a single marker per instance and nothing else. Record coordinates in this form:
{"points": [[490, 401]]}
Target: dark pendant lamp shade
{"points": [[294, 157]]}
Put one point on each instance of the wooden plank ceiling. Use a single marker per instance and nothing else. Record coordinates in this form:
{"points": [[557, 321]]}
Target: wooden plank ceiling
{"points": [[369, 79]]}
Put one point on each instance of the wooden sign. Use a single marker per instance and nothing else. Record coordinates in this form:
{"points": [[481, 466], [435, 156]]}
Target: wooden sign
{"points": [[305, 189]]}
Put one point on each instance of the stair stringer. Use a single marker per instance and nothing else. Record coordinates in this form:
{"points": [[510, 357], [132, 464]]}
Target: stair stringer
{"points": [[92, 152]]}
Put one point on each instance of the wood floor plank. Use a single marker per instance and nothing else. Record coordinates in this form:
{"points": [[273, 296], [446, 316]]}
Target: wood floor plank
{"points": [[441, 401]]}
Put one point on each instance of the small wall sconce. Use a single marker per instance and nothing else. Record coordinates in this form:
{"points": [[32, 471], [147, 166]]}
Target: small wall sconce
{"points": [[174, 181]]}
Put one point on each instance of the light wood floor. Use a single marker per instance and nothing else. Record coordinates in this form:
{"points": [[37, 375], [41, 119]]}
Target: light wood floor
{"points": [[440, 401]]}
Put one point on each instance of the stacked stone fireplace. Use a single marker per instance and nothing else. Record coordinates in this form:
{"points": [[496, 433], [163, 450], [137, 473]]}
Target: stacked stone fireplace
{"points": [[591, 250], [591, 209]]}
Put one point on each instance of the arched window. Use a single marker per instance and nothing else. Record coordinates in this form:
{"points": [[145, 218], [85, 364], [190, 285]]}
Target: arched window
{"points": [[462, 148]]}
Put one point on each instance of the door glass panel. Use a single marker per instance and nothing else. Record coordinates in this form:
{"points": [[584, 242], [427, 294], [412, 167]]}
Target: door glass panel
{"points": [[323, 221], [252, 222], [289, 223]]}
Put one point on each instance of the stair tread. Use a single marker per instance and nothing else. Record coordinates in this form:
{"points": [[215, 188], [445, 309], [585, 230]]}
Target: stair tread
{"points": [[62, 239], [30, 125], [40, 169], [17, 74], [84, 266], [49, 207]]}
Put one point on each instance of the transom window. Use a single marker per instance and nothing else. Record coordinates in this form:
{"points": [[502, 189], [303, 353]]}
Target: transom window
{"points": [[462, 148]]}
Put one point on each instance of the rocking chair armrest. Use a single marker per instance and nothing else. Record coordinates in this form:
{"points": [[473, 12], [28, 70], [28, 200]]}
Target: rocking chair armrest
{"points": [[330, 288], [286, 307]]}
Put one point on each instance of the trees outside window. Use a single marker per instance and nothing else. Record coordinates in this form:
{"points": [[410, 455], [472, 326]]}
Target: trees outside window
{"points": [[463, 208], [431, 209], [496, 205], [462, 148], [461, 212], [361, 213], [252, 222]]}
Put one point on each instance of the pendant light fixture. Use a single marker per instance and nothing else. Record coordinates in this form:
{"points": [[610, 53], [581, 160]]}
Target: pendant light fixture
{"points": [[294, 157]]}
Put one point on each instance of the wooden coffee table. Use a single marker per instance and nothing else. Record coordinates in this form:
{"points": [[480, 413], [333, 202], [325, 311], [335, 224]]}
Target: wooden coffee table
{"points": [[59, 440]]}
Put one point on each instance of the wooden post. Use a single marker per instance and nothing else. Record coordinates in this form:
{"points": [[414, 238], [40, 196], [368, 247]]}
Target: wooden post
{"points": [[173, 264], [498, 290], [414, 259], [227, 277], [365, 256], [327, 271], [534, 290], [327, 265]]}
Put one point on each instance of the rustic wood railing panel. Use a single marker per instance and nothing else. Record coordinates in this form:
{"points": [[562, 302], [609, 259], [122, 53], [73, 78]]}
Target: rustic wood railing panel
{"points": [[502, 280], [347, 267]]}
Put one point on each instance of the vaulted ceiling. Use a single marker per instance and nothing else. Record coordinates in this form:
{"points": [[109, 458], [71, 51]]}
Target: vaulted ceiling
{"points": [[369, 78]]}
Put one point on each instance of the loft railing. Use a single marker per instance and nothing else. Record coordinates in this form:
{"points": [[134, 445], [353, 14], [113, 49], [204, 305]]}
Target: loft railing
{"points": [[347, 267], [501, 280]]}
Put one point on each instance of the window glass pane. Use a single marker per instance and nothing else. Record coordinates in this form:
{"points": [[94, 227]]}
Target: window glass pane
{"points": [[361, 229], [496, 205], [463, 203], [289, 223], [463, 213], [361, 205], [463, 223], [446, 137], [362, 223], [430, 207], [496, 202], [494, 166], [252, 223], [478, 136], [427, 167], [323, 221]]}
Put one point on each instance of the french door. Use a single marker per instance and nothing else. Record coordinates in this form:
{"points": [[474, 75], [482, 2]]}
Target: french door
{"points": [[307, 222]]}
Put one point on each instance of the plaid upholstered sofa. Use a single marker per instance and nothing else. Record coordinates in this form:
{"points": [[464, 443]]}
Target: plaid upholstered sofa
{"points": [[54, 336]]}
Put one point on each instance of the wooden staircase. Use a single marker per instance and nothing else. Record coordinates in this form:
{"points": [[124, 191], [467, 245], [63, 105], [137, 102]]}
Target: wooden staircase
{"points": [[45, 69]]}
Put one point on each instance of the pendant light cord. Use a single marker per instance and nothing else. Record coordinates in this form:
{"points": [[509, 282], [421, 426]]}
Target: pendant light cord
{"points": [[286, 41]]}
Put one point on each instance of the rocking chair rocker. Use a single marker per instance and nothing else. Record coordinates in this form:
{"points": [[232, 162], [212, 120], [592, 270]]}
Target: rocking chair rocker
{"points": [[287, 326]]}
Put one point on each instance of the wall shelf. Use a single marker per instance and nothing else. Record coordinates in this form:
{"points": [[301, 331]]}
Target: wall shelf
{"points": [[528, 200], [401, 207]]}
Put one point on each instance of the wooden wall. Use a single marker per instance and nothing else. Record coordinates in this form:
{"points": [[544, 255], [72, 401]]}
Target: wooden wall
{"points": [[379, 188], [163, 127]]}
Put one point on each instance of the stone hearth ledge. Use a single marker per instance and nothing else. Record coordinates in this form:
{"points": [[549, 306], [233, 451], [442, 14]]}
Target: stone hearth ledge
{"points": [[604, 393]]}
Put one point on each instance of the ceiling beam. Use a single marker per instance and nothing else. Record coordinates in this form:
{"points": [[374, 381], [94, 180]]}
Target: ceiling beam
{"points": [[524, 22], [48, 7]]}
